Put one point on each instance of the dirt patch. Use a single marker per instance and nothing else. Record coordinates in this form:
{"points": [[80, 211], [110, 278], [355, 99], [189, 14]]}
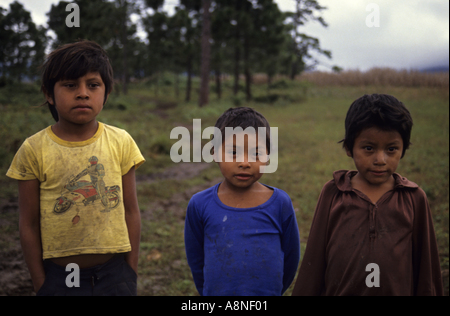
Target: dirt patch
{"points": [[9, 206], [14, 276], [162, 107], [177, 203], [181, 171]]}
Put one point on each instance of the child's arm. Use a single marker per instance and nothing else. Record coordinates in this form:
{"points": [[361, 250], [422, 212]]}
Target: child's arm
{"points": [[426, 264], [311, 276], [193, 238], [132, 217], [290, 243], [30, 230]]}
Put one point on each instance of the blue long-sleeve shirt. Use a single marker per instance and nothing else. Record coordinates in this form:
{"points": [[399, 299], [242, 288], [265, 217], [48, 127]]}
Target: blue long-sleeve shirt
{"points": [[241, 252]]}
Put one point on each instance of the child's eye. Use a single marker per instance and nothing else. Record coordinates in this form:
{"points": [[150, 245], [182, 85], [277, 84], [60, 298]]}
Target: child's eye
{"points": [[94, 85], [392, 149], [368, 148], [69, 85]]}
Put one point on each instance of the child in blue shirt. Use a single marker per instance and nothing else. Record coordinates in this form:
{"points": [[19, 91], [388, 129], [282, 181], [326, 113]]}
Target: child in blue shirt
{"points": [[241, 236]]}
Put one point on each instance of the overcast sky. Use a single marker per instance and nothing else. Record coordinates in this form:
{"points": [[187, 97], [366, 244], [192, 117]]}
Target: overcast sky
{"points": [[411, 33]]}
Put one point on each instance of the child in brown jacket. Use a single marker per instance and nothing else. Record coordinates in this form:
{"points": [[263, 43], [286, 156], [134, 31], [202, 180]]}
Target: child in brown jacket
{"points": [[372, 232]]}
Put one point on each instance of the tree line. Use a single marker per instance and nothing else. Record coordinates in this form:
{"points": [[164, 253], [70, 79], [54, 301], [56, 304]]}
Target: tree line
{"points": [[202, 37]]}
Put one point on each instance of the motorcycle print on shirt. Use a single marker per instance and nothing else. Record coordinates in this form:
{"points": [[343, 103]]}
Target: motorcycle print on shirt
{"points": [[82, 192]]}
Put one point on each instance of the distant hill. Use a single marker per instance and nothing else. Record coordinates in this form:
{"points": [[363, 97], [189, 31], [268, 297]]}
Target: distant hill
{"points": [[435, 69]]}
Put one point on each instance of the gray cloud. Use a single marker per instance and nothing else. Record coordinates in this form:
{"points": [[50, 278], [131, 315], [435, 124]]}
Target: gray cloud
{"points": [[412, 34]]}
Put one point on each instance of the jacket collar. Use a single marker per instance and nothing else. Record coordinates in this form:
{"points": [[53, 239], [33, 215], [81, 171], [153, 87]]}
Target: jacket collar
{"points": [[343, 180]]}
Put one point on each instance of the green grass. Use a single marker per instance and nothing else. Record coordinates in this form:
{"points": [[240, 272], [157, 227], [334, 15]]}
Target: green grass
{"points": [[311, 123]]}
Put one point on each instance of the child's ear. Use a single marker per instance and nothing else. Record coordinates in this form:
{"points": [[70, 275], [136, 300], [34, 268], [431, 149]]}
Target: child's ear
{"points": [[348, 152], [106, 98], [49, 99], [214, 154], [267, 156]]}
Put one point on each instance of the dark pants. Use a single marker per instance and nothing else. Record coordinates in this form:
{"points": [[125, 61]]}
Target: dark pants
{"points": [[113, 278]]}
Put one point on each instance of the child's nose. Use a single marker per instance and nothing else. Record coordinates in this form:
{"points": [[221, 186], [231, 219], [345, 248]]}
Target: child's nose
{"points": [[244, 163], [82, 92], [380, 158]]}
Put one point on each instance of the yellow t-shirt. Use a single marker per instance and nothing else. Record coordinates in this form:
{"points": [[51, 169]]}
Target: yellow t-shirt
{"points": [[81, 200]]}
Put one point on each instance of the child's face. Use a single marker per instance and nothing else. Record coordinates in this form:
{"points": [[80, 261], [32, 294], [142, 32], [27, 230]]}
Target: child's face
{"points": [[377, 154], [79, 101], [240, 172]]}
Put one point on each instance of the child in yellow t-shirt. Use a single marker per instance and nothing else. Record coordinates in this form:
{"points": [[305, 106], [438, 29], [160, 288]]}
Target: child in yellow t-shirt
{"points": [[77, 189]]}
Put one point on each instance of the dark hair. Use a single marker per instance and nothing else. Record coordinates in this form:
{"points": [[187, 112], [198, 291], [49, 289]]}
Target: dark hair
{"points": [[377, 110], [72, 61], [243, 117]]}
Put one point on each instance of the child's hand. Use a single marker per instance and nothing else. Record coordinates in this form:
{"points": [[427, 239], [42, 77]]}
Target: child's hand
{"points": [[38, 283]]}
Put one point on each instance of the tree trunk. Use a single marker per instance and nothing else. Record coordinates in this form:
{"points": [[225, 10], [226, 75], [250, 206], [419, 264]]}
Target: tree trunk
{"points": [[177, 85], [294, 70], [124, 40], [269, 81], [237, 57], [248, 76], [156, 84], [189, 82], [218, 83], [237, 50], [206, 53]]}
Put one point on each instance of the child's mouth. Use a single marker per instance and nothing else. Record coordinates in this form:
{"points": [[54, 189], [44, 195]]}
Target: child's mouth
{"points": [[243, 177], [378, 173], [82, 108]]}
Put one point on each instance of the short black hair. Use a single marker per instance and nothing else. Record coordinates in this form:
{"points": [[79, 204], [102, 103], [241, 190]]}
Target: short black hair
{"points": [[377, 110], [72, 61], [243, 117]]}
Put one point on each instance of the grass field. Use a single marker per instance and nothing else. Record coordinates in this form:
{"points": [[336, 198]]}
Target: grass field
{"points": [[310, 119]]}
